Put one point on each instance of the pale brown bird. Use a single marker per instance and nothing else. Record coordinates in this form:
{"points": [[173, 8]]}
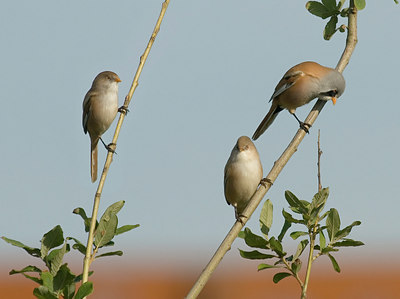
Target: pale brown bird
{"points": [[100, 107], [242, 175], [300, 85]]}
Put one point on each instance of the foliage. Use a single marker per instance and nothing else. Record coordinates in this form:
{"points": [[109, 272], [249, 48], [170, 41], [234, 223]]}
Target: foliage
{"points": [[331, 236], [57, 279], [332, 10]]}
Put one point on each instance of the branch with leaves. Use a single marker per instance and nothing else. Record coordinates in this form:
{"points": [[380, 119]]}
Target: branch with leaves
{"points": [[58, 280], [311, 219], [90, 252], [351, 42]]}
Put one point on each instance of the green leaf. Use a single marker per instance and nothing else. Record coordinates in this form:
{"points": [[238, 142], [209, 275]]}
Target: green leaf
{"points": [[28, 269], [51, 239], [125, 228], [318, 9], [69, 291], [105, 232], [276, 246], [254, 240], [288, 217], [297, 234], [255, 255], [111, 253], [43, 292], [324, 216], [47, 279], [86, 221], [266, 217], [64, 280], [296, 266], [32, 251], [346, 231], [111, 243], [114, 208], [265, 266], [56, 258], [340, 4], [322, 240], [344, 13], [78, 245], [279, 276], [108, 223], [396, 1], [285, 228], [330, 28], [348, 243], [334, 263], [328, 249], [330, 4], [360, 4], [332, 223], [84, 290], [297, 206], [300, 248], [318, 201]]}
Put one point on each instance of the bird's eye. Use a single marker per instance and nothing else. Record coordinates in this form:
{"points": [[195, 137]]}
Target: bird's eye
{"points": [[332, 93]]}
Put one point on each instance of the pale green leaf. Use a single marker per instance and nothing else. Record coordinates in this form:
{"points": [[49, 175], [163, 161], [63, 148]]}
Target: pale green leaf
{"points": [[360, 4]]}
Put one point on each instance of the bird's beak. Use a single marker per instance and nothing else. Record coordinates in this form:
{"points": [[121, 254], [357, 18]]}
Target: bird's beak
{"points": [[243, 148], [118, 79], [334, 100]]}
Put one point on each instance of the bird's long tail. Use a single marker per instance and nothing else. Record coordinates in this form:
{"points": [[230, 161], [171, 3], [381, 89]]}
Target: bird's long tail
{"points": [[268, 120], [93, 159]]}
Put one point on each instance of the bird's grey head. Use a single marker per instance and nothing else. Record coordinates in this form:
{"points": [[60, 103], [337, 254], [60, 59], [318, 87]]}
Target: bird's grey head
{"points": [[332, 86]]}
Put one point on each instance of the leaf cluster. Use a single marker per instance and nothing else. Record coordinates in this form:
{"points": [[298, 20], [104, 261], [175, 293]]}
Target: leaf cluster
{"points": [[311, 215], [332, 10], [57, 279]]}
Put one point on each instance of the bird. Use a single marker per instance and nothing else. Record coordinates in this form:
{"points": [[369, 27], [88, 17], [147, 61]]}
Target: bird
{"points": [[100, 107], [299, 86], [242, 175]]}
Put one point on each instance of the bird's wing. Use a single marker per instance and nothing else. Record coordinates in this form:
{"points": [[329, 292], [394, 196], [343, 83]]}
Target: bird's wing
{"points": [[226, 180], [286, 82], [86, 109]]}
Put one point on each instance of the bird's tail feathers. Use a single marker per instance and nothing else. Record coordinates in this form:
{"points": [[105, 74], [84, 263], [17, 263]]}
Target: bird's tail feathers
{"points": [[93, 160], [267, 121]]}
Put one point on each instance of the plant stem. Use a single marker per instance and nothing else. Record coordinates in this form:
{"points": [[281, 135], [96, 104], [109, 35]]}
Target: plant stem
{"points": [[351, 42], [294, 274], [309, 261], [319, 163], [89, 256]]}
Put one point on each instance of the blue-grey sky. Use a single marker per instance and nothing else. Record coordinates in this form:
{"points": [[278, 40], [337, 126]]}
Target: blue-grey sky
{"points": [[207, 81]]}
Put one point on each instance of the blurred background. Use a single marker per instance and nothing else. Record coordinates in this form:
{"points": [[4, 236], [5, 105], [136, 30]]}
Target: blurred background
{"points": [[207, 81]]}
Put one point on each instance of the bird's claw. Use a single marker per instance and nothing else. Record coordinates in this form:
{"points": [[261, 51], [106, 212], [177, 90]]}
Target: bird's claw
{"points": [[266, 181], [240, 218], [305, 127], [123, 109], [111, 147]]}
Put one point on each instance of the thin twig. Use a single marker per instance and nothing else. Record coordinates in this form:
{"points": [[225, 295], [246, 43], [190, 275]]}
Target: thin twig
{"points": [[319, 163], [310, 259], [278, 166], [88, 256], [295, 275]]}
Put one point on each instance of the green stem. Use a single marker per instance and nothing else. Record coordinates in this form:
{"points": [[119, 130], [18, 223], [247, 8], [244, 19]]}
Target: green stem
{"points": [[293, 273], [309, 262]]}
